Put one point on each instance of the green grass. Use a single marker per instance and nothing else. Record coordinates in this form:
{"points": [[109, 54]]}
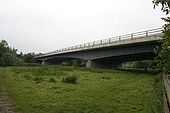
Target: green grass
{"points": [[96, 90]]}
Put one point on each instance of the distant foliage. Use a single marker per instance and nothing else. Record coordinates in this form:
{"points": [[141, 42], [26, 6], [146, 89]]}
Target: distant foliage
{"points": [[3, 47], [29, 57], [10, 57], [75, 62], [143, 64], [70, 79]]}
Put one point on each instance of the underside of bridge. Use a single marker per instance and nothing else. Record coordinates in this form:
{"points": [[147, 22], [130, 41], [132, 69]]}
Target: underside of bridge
{"points": [[116, 62], [57, 61], [109, 57], [107, 62]]}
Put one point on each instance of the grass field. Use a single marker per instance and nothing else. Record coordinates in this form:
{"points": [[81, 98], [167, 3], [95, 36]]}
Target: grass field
{"points": [[96, 90]]}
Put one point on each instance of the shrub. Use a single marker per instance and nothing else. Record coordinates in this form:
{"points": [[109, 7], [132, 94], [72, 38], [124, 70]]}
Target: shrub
{"points": [[38, 79], [10, 59], [70, 79], [105, 77], [52, 80]]}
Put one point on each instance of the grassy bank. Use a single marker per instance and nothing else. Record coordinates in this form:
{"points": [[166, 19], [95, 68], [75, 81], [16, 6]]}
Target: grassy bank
{"points": [[41, 90]]}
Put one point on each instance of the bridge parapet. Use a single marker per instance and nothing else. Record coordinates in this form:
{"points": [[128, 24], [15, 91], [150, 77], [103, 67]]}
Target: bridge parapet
{"points": [[148, 35]]}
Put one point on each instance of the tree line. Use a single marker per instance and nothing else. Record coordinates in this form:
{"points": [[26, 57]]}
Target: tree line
{"points": [[10, 57]]}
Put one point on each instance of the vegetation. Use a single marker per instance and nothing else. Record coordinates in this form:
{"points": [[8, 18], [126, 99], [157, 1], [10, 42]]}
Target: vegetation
{"points": [[59, 89], [75, 62], [9, 59], [165, 5], [70, 79], [52, 80], [162, 61], [95, 91], [142, 65], [9, 56]]}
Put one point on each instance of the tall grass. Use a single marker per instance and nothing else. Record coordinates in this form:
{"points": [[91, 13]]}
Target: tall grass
{"points": [[41, 90]]}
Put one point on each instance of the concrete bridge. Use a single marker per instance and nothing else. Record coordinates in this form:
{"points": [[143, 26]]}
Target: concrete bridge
{"points": [[110, 52]]}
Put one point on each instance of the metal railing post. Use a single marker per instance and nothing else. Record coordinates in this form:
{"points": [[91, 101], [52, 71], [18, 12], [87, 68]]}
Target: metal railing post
{"points": [[119, 38], [146, 33], [93, 43], [132, 36], [109, 40]]}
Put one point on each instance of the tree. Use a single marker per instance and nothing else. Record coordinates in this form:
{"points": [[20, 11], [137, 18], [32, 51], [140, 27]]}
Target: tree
{"points": [[20, 55], [163, 51], [29, 57], [3, 47], [9, 59], [9, 56], [165, 5]]}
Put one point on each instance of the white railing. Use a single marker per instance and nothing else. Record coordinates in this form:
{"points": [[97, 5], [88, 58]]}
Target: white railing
{"points": [[106, 41]]}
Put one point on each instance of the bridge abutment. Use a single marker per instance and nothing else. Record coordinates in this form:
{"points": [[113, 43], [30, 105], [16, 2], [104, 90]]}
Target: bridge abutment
{"points": [[90, 64]]}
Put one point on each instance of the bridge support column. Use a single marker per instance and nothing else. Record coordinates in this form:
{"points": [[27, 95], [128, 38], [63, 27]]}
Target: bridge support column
{"points": [[90, 64], [43, 62]]}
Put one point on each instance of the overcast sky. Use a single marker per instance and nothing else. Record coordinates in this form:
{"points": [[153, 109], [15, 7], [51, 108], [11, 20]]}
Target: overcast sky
{"points": [[46, 25]]}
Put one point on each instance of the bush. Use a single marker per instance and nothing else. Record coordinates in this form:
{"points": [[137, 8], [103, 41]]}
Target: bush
{"points": [[9, 59], [52, 80], [38, 79], [70, 79], [105, 77]]}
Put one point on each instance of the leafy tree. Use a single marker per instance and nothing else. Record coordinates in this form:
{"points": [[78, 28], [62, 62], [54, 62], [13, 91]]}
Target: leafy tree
{"points": [[3, 47], [12, 50], [9, 59], [9, 56], [20, 55], [165, 5], [163, 51], [29, 57]]}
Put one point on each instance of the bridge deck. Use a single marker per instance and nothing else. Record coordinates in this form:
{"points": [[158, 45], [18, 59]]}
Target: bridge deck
{"points": [[139, 37]]}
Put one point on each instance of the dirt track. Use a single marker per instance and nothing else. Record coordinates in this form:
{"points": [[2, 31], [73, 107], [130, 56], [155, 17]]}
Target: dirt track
{"points": [[5, 105]]}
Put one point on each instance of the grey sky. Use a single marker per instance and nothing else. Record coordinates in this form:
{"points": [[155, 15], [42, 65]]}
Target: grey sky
{"points": [[46, 25]]}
